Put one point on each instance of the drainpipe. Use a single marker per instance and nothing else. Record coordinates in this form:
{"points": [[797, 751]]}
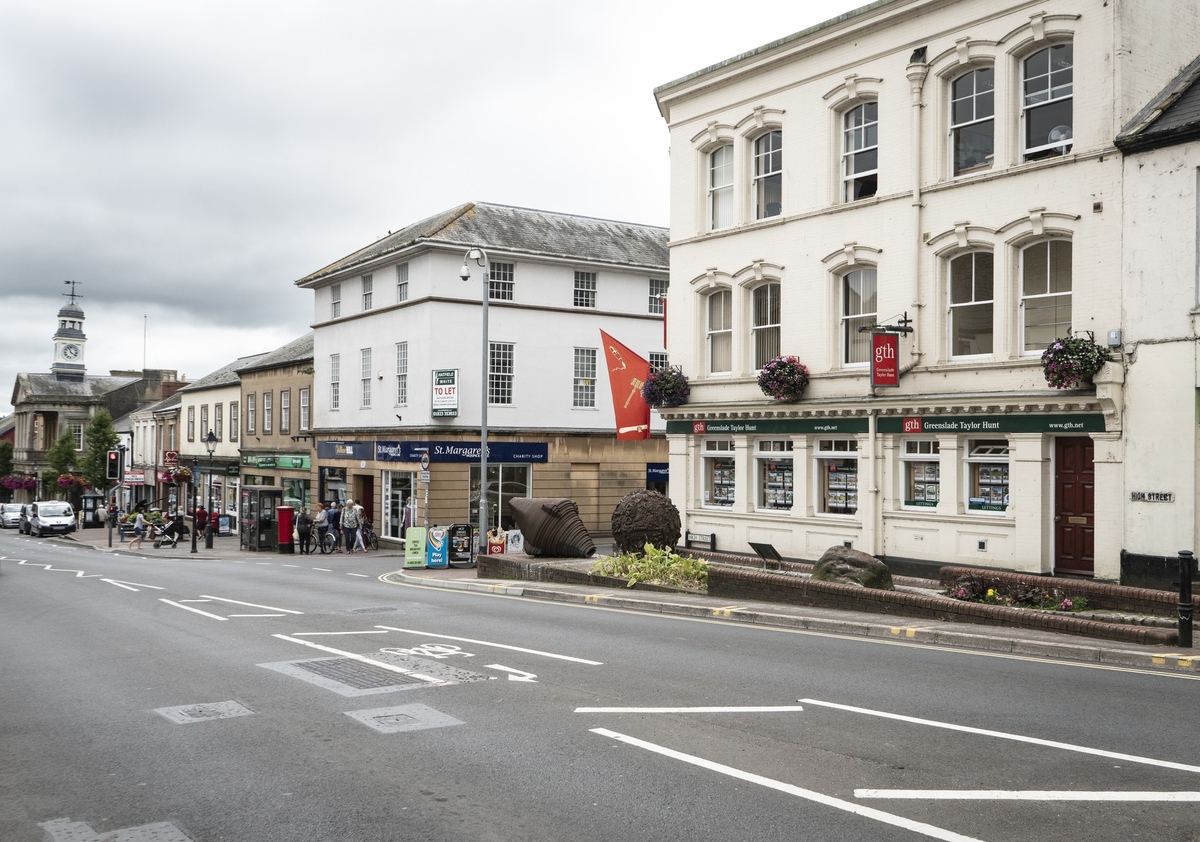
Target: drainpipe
{"points": [[916, 73], [876, 497]]}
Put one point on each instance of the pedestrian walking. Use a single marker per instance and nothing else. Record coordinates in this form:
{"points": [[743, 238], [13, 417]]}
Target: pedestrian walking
{"points": [[304, 524], [335, 524], [139, 531], [350, 525], [321, 522], [359, 543]]}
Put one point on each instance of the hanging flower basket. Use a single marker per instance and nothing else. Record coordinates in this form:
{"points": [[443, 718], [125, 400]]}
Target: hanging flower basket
{"points": [[666, 387], [181, 475], [784, 379], [17, 482], [72, 481], [1072, 361]]}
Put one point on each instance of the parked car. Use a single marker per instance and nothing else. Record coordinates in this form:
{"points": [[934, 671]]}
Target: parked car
{"points": [[10, 515], [50, 517]]}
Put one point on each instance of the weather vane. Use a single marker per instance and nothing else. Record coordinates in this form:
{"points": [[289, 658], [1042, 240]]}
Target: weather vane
{"points": [[72, 294]]}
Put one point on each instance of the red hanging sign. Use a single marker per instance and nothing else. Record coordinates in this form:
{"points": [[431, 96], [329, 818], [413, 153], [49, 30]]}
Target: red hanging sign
{"points": [[885, 359], [627, 373]]}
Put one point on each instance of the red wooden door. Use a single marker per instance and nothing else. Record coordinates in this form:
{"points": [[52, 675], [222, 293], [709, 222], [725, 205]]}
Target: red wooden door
{"points": [[1074, 507]]}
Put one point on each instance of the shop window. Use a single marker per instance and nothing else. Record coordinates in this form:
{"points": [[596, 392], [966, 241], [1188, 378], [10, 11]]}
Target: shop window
{"points": [[504, 483], [718, 472], [773, 459], [837, 476], [987, 475], [399, 504], [921, 473]]}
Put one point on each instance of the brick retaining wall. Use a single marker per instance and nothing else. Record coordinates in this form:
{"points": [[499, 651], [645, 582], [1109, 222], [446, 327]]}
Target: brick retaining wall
{"points": [[1098, 594]]}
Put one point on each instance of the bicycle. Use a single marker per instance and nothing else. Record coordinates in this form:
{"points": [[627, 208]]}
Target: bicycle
{"points": [[370, 539], [315, 542]]}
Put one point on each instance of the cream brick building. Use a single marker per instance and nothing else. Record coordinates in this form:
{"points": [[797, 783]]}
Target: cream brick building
{"points": [[953, 163]]}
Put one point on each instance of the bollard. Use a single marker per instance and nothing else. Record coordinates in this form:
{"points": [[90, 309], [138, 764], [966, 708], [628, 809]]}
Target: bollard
{"points": [[1186, 571]]}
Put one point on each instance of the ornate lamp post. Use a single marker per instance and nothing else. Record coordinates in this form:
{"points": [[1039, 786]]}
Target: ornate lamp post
{"points": [[210, 444], [481, 259], [195, 476]]}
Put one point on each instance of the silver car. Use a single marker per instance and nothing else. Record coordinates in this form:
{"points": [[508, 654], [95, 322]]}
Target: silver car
{"points": [[10, 515]]}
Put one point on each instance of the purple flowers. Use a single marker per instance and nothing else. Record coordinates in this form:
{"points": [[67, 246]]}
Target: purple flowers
{"points": [[1071, 362], [784, 379], [666, 387]]}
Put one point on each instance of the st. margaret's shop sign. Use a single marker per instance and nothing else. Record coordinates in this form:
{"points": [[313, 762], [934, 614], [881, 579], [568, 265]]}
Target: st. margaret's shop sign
{"points": [[461, 451], [977, 425]]}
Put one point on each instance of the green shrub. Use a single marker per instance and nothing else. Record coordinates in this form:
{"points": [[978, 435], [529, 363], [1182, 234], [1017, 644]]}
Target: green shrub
{"points": [[654, 566]]}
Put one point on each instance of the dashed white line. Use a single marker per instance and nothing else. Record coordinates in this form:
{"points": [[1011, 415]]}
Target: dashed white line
{"points": [[363, 575], [323, 569], [258, 615], [251, 604], [291, 565], [323, 634], [195, 610]]}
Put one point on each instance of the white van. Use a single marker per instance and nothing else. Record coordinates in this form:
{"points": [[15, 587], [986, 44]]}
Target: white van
{"points": [[51, 516]]}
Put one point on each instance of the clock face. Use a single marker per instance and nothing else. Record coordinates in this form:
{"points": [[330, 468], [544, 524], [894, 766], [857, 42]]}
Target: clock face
{"points": [[71, 352]]}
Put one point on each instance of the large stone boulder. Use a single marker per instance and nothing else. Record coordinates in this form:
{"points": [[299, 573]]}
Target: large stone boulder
{"points": [[645, 517], [853, 567], [552, 527]]}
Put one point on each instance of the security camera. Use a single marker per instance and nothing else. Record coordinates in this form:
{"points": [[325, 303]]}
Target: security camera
{"points": [[465, 272]]}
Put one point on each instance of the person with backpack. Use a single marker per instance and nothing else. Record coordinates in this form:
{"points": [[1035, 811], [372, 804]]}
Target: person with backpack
{"points": [[350, 525]]}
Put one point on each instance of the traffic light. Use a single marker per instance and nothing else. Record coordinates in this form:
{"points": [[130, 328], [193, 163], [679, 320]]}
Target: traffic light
{"points": [[112, 467]]}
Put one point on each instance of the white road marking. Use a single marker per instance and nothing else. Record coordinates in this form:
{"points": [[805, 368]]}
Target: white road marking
{"points": [[79, 574], [363, 575], [760, 709], [258, 615], [291, 565], [514, 675], [495, 645], [129, 585], [826, 800], [195, 600], [1023, 795], [1149, 761], [251, 604], [323, 569], [264, 562], [321, 634], [365, 660], [195, 610]]}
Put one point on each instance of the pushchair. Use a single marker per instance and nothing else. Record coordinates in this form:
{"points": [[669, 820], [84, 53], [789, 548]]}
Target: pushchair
{"points": [[171, 533]]}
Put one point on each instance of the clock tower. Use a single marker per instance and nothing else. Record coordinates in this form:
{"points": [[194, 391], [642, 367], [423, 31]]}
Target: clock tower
{"points": [[69, 341]]}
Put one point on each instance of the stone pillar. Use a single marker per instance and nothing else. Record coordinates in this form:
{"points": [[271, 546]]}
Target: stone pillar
{"points": [[1109, 504], [869, 497], [1031, 500], [801, 478], [743, 474], [682, 485], [952, 499]]}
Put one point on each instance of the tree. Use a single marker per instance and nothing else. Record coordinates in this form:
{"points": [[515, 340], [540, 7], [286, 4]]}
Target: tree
{"points": [[61, 456], [100, 437], [6, 458]]}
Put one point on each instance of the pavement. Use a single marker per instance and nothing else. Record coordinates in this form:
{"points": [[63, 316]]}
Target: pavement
{"points": [[999, 640]]}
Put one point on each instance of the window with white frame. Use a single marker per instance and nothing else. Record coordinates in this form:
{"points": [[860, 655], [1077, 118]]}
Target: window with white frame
{"points": [[171, 437], [859, 310], [500, 373], [500, 281], [773, 458], [719, 332], [971, 304], [585, 289], [368, 292], [921, 473], [836, 476], [304, 408], [658, 296], [268, 408], [285, 410], [204, 421], [987, 475], [972, 121], [401, 373], [719, 484], [234, 421], [720, 188], [335, 301], [658, 360], [860, 152], [365, 377], [401, 282], [335, 376], [219, 421], [584, 394], [75, 428], [1047, 80], [768, 175], [1045, 293], [764, 325], [191, 423], [251, 420]]}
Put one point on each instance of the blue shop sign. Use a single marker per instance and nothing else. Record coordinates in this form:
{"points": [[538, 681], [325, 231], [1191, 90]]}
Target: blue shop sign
{"points": [[658, 472], [345, 449], [461, 451]]}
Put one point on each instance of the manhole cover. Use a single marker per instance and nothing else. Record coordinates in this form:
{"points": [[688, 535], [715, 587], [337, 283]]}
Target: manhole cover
{"points": [[183, 714], [377, 609], [351, 677], [403, 718]]}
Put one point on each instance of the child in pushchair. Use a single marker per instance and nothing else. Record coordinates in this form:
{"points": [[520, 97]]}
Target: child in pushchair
{"points": [[171, 533]]}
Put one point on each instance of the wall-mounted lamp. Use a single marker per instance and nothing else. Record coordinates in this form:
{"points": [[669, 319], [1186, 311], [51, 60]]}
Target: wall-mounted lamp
{"points": [[398, 418]]}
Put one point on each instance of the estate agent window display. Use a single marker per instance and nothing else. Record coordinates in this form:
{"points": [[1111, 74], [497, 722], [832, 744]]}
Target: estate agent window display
{"points": [[836, 476], [921, 477], [719, 473], [987, 475], [776, 475]]}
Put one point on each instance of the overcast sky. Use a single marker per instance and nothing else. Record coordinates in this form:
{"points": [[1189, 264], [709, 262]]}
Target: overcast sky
{"points": [[187, 161]]}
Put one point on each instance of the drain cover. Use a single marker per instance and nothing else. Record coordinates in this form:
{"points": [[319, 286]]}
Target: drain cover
{"points": [[203, 712], [403, 718], [351, 677]]}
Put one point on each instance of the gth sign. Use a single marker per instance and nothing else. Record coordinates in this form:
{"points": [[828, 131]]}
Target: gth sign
{"points": [[885, 355]]}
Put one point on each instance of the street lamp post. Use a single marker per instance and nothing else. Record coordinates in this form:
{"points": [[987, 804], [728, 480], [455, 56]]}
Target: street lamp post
{"points": [[481, 259], [210, 444], [195, 476], [37, 483]]}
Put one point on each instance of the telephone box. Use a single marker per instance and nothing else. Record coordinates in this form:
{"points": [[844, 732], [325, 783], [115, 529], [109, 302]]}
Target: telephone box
{"points": [[259, 531]]}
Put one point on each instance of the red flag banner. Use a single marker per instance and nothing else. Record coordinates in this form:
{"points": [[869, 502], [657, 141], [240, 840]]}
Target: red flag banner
{"points": [[627, 373]]}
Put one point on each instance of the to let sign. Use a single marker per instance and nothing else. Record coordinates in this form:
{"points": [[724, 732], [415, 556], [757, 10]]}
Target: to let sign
{"points": [[885, 356], [445, 393]]}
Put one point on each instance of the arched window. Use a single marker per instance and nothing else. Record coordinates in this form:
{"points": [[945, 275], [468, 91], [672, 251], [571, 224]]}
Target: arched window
{"points": [[970, 320], [859, 309], [972, 120], [720, 332], [1047, 77], [768, 175], [765, 324], [1045, 293], [860, 151], [720, 188]]}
